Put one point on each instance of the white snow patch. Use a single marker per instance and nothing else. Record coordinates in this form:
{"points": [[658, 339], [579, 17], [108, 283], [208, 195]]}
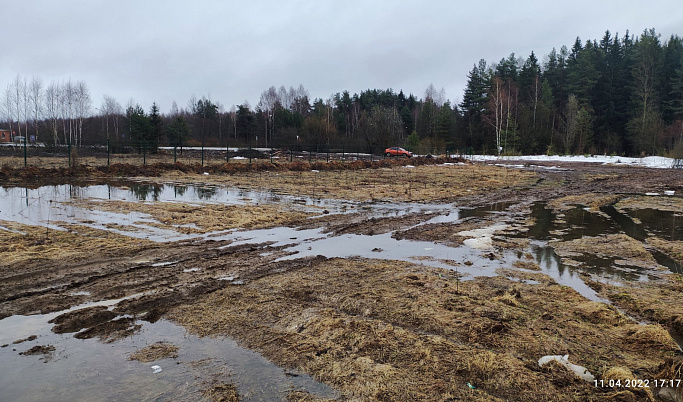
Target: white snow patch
{"points": [[649, 161]]}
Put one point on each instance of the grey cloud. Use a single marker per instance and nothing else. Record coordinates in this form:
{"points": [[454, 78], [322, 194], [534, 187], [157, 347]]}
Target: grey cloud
{"points": [[169, 50]]}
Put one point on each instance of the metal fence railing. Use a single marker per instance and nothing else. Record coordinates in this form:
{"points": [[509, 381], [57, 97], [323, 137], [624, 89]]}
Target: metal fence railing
{"points": [[18, 155]]}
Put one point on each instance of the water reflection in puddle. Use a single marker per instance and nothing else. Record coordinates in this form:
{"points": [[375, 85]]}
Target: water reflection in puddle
{"points": [[579, 222], [88, 370], [552, 266], [48, 204]]}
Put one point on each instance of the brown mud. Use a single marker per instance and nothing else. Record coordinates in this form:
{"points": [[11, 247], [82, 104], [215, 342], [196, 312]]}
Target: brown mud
{"points": [[46, 352], [372, 329]]}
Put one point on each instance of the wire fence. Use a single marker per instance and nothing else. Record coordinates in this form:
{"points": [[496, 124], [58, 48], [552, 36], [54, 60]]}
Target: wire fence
{"points": [[18, 155]]}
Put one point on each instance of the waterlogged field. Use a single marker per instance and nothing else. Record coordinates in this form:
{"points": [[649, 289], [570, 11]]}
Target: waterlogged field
{"points": [[437, 280]]}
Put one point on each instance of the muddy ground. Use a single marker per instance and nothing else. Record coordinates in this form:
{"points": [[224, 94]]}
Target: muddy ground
{"points": [[378, 329]]}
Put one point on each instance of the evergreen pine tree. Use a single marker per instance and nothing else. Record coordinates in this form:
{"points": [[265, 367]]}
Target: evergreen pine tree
{"points": [[155, 132]]}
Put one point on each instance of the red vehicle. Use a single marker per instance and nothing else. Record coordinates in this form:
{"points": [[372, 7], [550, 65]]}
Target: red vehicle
{"points": [[396, 151]]}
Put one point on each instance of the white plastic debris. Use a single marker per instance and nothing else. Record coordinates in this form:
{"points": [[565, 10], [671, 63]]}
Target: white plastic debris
{"points": [[669, 192], [482, 239], [580, 371], [156, 369], [480, 243]]}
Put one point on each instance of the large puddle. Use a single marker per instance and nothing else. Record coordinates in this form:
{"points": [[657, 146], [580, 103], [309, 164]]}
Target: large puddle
{"points": [[87, 368], [639, 224], [48, 204]]}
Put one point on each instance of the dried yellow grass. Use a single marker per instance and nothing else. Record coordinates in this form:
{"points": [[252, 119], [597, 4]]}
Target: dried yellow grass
{"points": [[618, 373], [511, 298], [226, 392], [600, 313], [202, 218], [35, 243], [619, 246], [671, 369], [156, 351], [672, 204], [653, 335], [304, 396], [672, 248], [622, 375], [392, 330], [592, 200], [530, 265], [397, 183]]}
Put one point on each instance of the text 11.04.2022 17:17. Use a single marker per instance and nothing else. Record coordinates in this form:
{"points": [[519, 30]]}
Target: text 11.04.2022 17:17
{"points": [[635, 383]]}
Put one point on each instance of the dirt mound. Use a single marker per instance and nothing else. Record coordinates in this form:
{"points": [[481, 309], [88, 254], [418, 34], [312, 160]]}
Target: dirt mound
{"points": [[46, 351], [81, 319]]}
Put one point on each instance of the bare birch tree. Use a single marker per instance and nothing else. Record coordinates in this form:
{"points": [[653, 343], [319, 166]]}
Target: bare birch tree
{"points": [[17, 99], [221, 114], [66, 106], [52, 108], [82, 105], [233, 117], [174, 110], [9, 107], [111, 110], [26, 105], [284, 97], [36, 97], [436, 96], [497, 108], [267, 105]]}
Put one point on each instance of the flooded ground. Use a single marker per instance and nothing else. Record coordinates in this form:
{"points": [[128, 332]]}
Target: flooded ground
{"points": [[89, 370], [269, 292]]}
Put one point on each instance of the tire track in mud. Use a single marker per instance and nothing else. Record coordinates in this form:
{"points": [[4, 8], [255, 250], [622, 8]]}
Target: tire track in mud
{"points": [[150, 282], [187, 274]]}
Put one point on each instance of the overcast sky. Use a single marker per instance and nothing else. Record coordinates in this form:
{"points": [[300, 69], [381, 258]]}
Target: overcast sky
{"points": [[232, 51]]}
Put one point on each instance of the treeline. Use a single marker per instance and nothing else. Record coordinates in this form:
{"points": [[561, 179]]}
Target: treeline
{"points": [[619, 95]]}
